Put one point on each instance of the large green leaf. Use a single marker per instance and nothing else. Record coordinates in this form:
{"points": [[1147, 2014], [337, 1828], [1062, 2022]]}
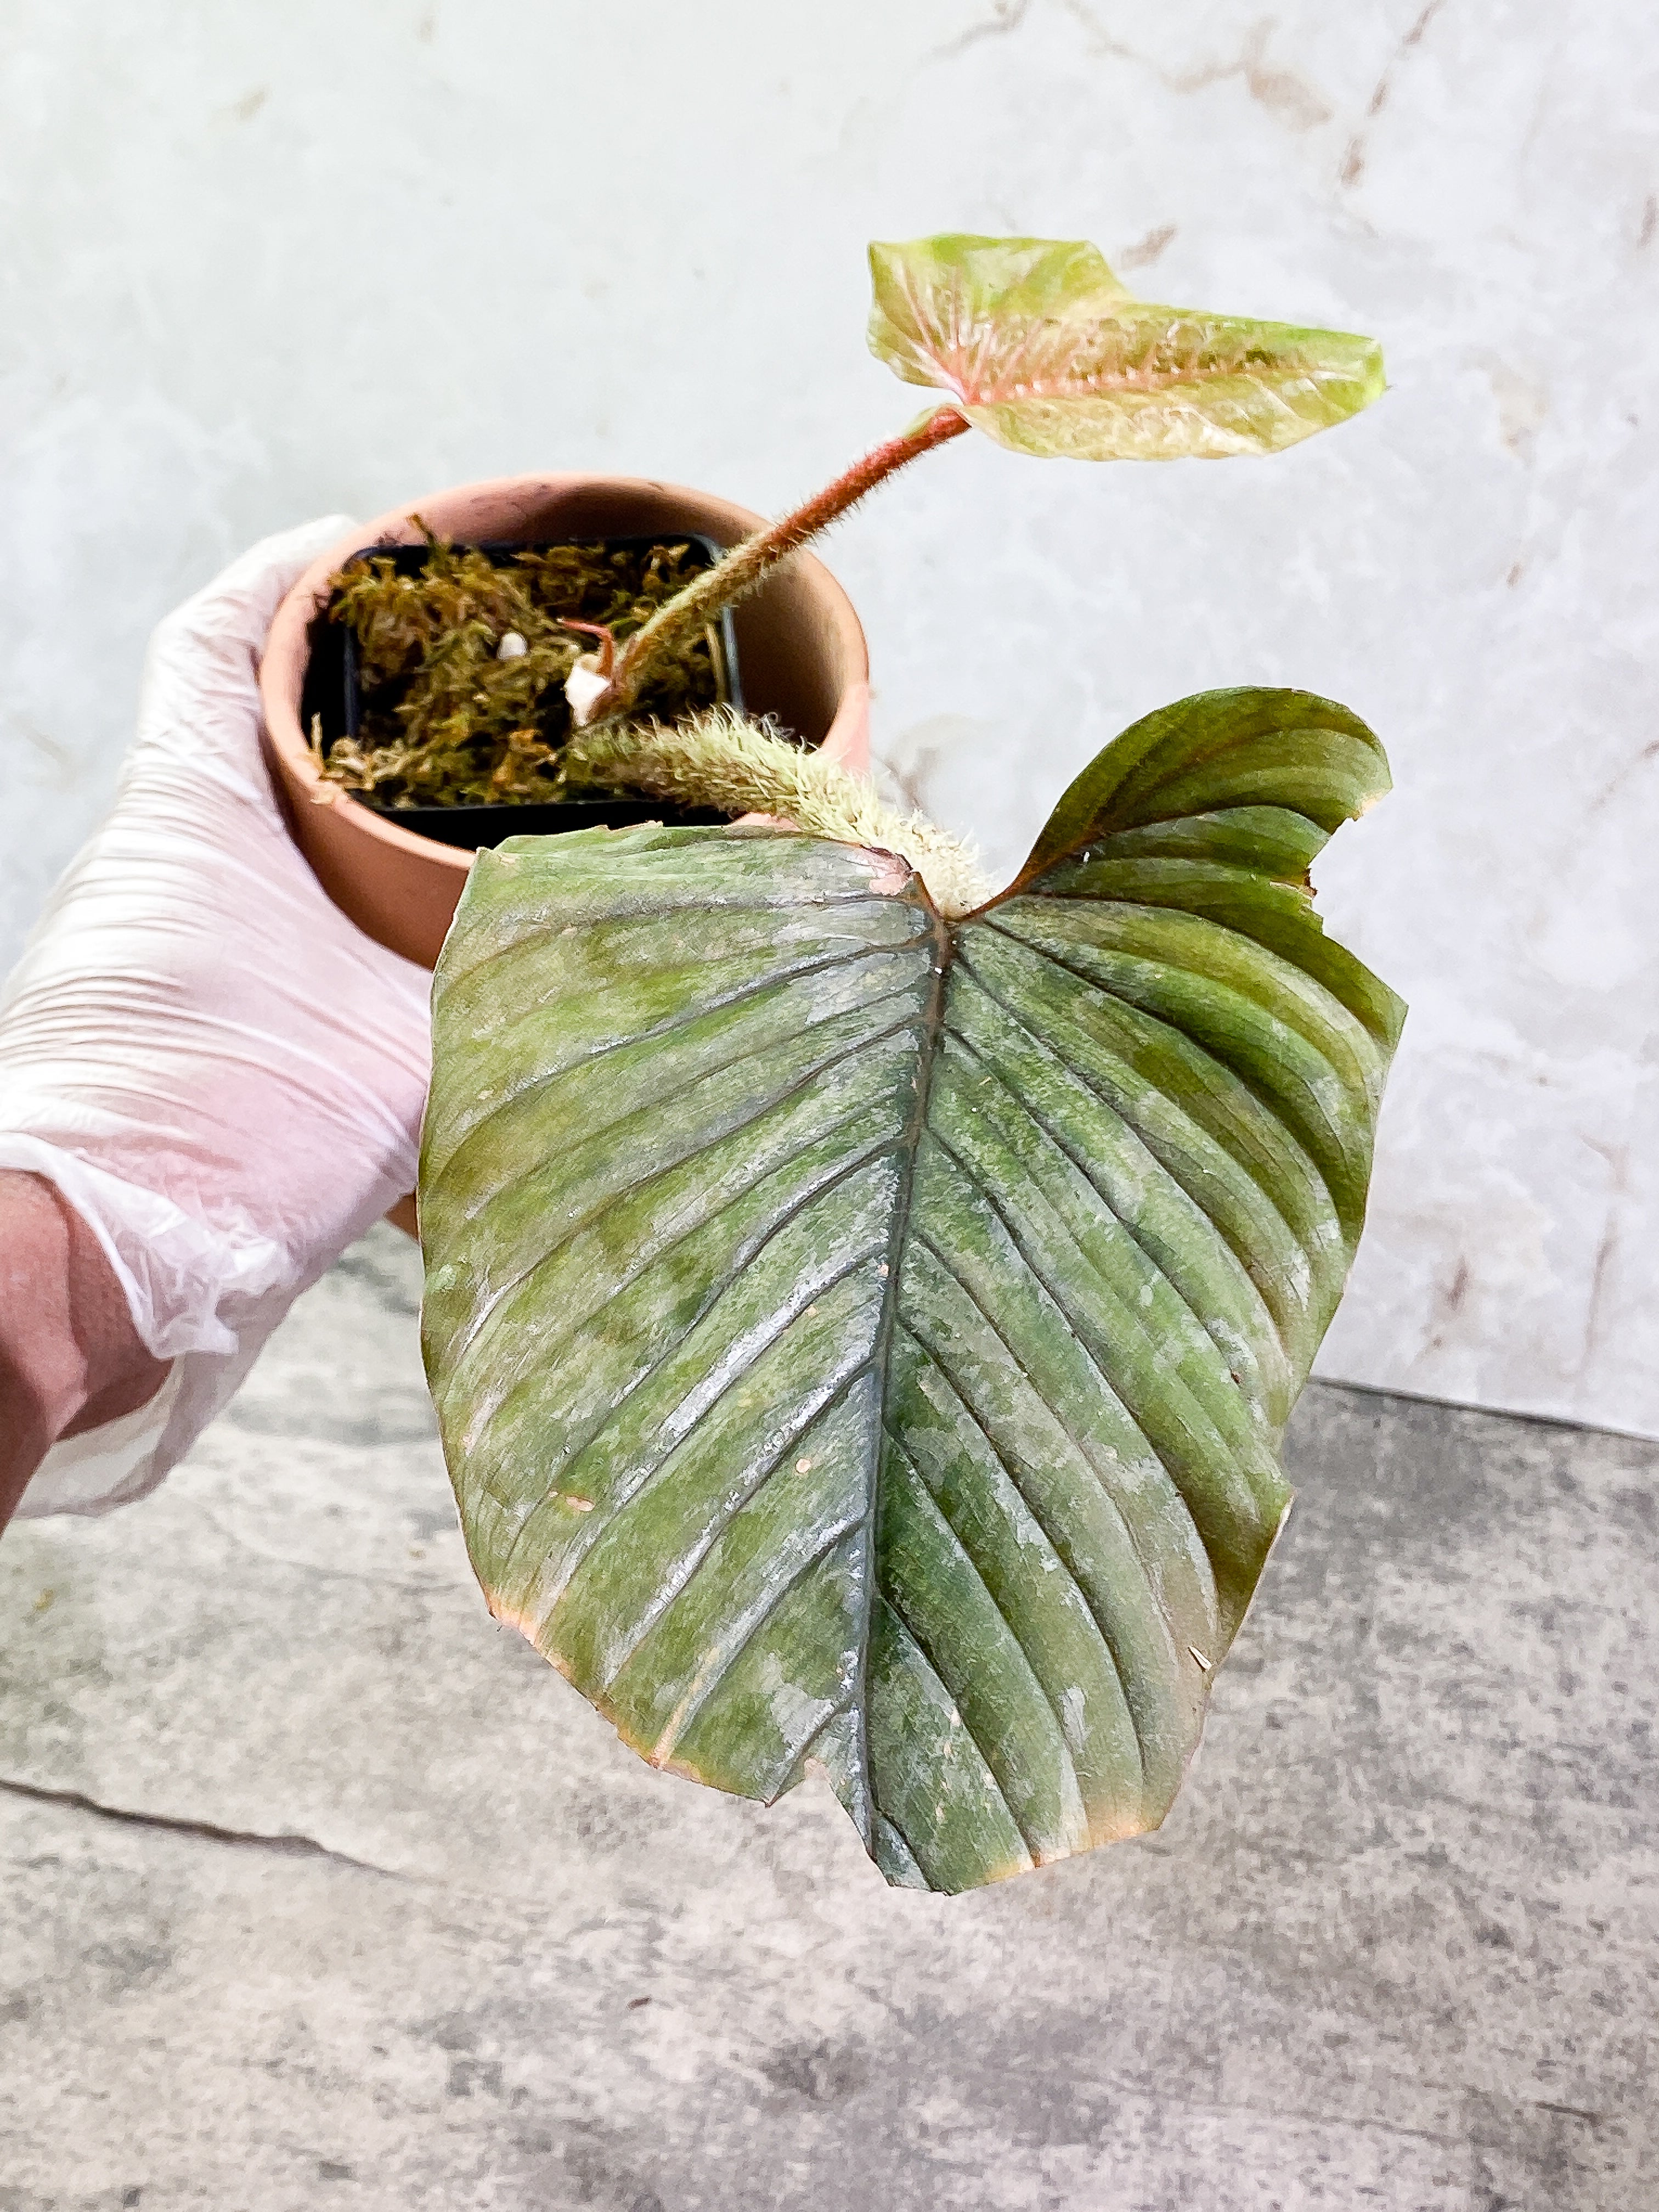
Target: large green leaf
{"points": [[1045, 348], [864, 1338]]}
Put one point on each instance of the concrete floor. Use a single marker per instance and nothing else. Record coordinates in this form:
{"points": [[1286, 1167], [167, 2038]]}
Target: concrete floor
{"points": [[322, 1890]]}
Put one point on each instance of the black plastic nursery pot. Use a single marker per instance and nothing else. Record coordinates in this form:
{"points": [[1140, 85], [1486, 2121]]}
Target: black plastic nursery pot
{"points": [[333, 699]]}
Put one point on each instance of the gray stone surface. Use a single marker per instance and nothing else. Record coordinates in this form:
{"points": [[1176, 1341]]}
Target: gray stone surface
{"points": [[321, 1889]]}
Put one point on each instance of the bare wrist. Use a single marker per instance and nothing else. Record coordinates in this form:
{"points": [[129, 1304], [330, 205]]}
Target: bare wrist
{"points": [[69, 1356]]}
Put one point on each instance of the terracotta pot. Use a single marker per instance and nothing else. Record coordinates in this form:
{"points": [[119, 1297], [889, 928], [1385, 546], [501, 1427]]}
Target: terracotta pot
{"points": [[800, 651]]}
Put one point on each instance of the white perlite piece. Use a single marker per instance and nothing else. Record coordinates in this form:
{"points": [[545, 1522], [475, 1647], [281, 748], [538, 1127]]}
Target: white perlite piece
{"points": [[583, 686], [514, 646]]}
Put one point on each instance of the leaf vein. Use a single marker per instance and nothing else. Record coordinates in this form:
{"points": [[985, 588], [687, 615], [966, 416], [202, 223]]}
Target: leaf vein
{"points": [[1061, 1560], [1067, 1430], [632, 1189], [667, 1599], [1157, 1167], [945, 945], [1240, 1250], [547, 1346], [529, 939], [913, 1637], [804, 1294], [1273, 1111], [974, 1569], [1059, 1306], [775, 980], [742, 1050], [707, 1684]]}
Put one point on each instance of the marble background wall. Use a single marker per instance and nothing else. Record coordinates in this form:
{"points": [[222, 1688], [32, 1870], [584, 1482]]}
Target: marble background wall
{"points": [[259, 264]]}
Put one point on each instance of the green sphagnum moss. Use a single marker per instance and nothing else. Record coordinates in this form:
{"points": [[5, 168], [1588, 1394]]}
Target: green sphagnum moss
{"points": [[445, 722]]}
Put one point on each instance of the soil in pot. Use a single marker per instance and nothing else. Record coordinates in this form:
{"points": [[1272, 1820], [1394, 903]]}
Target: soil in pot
{"points": [[436, 690]]}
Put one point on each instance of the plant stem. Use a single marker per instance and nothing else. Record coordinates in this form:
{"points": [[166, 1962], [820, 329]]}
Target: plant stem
{"points": [[747, 565]]}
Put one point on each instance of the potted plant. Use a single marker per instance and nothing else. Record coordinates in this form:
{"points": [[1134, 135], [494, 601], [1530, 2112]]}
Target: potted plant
{"points": [[798, 643], [862, 1309]]}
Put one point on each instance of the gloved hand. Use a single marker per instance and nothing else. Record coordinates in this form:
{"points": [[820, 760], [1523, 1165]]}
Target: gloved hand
{"points": [[220, 1073]]}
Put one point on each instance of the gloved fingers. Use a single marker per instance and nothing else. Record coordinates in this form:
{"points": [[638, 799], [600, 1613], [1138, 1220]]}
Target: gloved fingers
{"points": [[193, 888], [234, 610], [199, 704], [193, 1013], [197, 829], [223, 1075]]}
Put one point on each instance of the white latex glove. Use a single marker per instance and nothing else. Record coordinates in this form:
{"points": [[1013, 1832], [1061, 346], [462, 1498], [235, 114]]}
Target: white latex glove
{"points": [[219, 1072]]}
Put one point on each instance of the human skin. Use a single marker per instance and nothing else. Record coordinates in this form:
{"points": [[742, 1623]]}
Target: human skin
{"points": [[70, 1358]]}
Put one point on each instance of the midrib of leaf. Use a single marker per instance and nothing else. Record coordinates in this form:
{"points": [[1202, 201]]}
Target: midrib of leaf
{"points": [[1107, 381], [932, 1032]]}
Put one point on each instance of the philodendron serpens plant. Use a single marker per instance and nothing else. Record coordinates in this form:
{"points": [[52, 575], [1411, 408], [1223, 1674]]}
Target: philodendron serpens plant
{"points": [[862, 1309]]}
